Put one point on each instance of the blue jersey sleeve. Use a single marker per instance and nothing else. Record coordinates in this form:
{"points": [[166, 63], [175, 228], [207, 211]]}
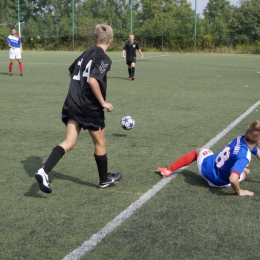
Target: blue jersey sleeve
{"points": [[254, 151], [239, 165]]}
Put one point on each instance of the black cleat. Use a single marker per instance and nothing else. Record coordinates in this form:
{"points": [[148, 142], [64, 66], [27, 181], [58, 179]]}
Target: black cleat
{"points": [[112, 178], [43, 181]]}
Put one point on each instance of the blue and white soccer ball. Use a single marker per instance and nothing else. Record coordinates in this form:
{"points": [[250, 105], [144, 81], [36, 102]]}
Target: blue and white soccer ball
{"points": [[127, 122]]}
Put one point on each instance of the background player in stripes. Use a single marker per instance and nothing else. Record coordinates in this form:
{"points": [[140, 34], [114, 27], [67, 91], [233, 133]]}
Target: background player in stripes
{"points": [[14, 42], [130, 49], [226, 167]]}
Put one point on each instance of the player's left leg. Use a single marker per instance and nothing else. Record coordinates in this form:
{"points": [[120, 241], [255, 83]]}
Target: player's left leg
{"points": [[184, 160], [244, 174], [133, 70], [18, 56], [20, 66], [105, 178]]}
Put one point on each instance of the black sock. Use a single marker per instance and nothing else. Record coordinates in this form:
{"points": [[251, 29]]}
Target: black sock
{"points": [[133, 71], [55, 156], [101, 161], [129, 72]]}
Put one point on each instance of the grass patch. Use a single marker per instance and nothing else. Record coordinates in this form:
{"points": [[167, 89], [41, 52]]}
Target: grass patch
{"points": [[179, 102]]}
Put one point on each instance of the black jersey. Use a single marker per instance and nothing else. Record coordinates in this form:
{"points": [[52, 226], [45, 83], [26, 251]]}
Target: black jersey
{"points": [[81, 103], [130, 48]]}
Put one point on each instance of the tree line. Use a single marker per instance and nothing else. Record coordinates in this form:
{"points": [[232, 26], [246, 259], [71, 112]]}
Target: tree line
{"points": [[157, 24]]}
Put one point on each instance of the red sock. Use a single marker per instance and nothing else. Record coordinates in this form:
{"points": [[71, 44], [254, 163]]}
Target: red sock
{"points": [[183, 161], [21, 67], [10, 67]]}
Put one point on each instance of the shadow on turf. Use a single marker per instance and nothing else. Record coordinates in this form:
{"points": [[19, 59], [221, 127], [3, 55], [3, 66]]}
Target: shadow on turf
{"points": [[196, 180], [32, 164], [119, 135], [124, 78]]}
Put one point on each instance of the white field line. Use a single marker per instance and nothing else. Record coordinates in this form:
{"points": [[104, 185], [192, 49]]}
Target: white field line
{"points": [[67, 64], [119, 219]]}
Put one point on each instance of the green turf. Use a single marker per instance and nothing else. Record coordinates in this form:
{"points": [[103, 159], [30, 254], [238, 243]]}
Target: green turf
{"points": [[179, 102]]}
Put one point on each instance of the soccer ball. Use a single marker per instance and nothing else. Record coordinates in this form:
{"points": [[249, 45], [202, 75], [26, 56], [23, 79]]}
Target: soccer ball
{"points": [[127, 122]]}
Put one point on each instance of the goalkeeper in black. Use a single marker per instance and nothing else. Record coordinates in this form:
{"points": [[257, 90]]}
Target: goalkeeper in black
{"points": [[130, 48], [83, 109]]}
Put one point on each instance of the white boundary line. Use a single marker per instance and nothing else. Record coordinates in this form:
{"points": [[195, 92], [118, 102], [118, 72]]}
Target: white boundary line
{"points": [[119, 219], [67, 64]]}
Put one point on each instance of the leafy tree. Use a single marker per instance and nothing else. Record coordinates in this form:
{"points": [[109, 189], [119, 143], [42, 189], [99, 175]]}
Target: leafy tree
{"points": [[218, 15], [246, 22], [8, 18], [217, 9]]}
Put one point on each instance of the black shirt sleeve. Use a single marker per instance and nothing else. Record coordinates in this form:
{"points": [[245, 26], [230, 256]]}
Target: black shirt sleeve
{"points": [[72, 66], [100, 68]]}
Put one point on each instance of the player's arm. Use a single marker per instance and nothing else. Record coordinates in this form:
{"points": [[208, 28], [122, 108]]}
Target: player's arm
{"points": [[258, 154], [142, 56], [94, 85], [72, 66], [123, 54], [9, 44], [234, 180], [21, 47]]}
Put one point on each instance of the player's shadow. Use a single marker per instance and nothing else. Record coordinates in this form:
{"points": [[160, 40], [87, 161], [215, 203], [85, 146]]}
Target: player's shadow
{"points": [[119, 135], [32, 163], [250, 180], [124, 78], [197, 180]]}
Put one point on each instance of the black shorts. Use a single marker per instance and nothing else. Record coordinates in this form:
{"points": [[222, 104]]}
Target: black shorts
{"points": [[95, 126], [129, 62]]}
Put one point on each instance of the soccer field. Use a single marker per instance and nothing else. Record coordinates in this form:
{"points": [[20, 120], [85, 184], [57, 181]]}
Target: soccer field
{"points": [[179, 102]]}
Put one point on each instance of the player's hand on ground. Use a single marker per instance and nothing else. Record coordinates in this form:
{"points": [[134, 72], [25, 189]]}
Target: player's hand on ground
{"points": [[246, 193], [108, 106]]}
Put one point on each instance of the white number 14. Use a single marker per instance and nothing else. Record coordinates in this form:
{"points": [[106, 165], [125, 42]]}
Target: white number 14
{"points": [[86, 72]]}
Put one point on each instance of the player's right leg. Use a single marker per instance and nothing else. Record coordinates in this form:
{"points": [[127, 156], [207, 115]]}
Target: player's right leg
{"points": [[105, 178], [12, 57], [72, 133], [129, 70]]}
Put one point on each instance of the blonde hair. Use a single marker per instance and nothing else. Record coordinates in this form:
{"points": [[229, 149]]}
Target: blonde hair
{"points": [[253, 132], [103, 34]]}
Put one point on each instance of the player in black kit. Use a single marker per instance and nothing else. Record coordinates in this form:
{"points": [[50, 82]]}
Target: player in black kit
{"points": [[130, 48], [83, 108]]}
